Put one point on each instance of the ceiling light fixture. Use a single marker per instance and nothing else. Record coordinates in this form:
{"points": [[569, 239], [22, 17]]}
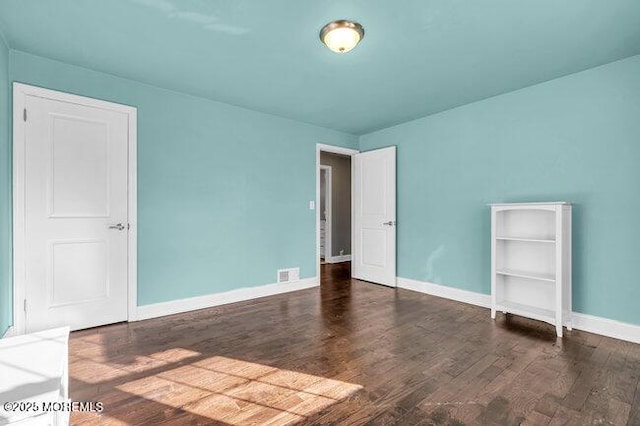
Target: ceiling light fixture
{"points": [[341, 36]]}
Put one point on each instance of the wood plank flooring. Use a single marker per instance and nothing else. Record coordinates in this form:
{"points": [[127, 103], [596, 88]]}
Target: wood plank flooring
{"points": [[352, 353]]}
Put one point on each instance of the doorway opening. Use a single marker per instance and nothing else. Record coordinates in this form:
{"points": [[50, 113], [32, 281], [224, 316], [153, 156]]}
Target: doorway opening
{"points": [[371, 241], [334, 210]]}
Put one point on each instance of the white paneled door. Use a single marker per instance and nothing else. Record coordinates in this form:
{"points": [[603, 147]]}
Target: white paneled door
{"points": [[75, 214], [374, 192]]}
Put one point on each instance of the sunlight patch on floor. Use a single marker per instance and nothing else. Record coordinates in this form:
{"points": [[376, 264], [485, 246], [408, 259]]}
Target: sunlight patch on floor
{"points": [[240, 392], [86, 369]]}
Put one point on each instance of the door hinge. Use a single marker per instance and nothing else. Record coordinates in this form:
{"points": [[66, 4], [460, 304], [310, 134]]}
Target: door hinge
{"points": [[24, 114], [25, 305]]}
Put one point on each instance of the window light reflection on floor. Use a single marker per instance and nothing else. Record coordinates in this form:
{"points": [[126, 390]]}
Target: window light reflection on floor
{"points": [[238, 392]]}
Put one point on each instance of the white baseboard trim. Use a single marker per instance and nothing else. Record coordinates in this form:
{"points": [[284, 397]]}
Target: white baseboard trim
{"points": [[207, 301], [606, 327], [11, 331], [439, 290], [592, 324], [338, 259]]}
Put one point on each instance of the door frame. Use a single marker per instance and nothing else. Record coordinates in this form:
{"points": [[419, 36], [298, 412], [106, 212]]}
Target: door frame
{"points": [[332, 150], [20, 92], [327, 205]]}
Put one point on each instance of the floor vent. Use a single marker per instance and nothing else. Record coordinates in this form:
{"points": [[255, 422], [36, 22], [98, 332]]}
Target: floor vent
{"points": [[288, 275]]}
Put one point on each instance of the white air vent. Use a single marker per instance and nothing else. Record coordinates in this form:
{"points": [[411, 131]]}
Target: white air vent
{"points": [[288, 275]]}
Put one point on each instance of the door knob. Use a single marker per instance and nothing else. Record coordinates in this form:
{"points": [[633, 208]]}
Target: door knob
{"points": [[390, 223], [118, 226]]}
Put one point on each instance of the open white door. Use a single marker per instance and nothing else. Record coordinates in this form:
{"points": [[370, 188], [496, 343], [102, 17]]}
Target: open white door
{"points": [[374, 214]]}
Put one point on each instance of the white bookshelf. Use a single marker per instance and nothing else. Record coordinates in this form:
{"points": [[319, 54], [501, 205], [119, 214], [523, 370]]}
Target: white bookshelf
{"points": [[531, 261]]}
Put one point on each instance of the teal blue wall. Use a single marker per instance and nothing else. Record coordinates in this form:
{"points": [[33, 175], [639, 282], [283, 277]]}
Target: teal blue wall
{"points": [[5, 193], [575, 138], [223, 192]]}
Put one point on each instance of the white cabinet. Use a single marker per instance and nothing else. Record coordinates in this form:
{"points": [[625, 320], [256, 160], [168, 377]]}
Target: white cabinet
{"points": [[323, 232], [531, 261]]}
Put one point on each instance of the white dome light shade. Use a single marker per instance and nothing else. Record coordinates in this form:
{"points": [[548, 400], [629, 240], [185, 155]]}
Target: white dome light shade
{"points": [[341, 36]]}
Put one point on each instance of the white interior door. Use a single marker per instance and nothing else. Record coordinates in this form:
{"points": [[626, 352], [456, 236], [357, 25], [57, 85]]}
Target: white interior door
{"points": [[374, 196], [75, 214]]}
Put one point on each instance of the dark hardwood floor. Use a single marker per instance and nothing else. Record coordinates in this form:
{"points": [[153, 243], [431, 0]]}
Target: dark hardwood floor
{"points": [[351, 352]]}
